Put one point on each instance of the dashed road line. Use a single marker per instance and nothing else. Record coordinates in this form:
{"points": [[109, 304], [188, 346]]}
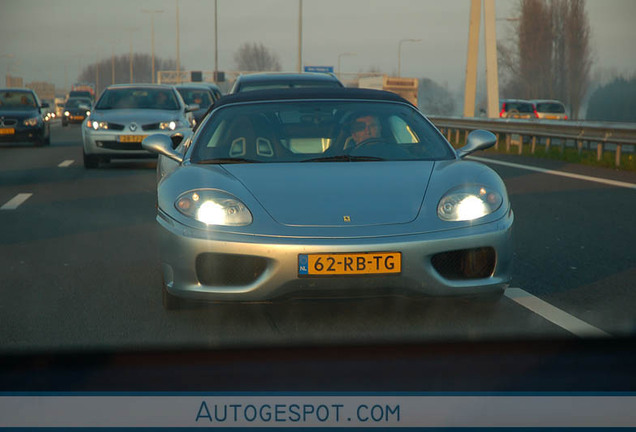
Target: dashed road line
{"points": [[66, 163], [554, 315], [16, 201], [557, 173]]}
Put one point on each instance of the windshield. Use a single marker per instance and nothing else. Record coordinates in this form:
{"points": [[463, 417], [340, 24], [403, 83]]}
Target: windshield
{"points": [[203, 98], [15, 100], [346, 219], [521, 107], [550, 107], [309, 131], [138, 98], [75, 103]]}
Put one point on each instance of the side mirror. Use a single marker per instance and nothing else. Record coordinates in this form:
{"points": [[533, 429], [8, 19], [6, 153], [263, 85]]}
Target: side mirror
{"points": [[191, 107], [161, 144], [477, 140]]}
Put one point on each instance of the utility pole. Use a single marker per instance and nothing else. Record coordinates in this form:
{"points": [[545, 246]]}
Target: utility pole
{"points": [[178, 59], [300, 36], [152, 37], [112, 63], [97, 76], [216, 41]]}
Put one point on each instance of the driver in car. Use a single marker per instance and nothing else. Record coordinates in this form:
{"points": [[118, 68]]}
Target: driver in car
{"points": [[364, 128]]}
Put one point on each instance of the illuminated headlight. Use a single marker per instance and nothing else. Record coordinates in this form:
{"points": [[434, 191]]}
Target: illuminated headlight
{"points": [[170, 125], [95, 125], [33, 121], [88, 113], [468, 203], [213, 207], [66, 113]]}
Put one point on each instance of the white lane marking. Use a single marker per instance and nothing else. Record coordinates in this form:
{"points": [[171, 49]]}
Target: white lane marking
{"points": [[66, 163], [554, 315], [16, 201], [557, 173]]}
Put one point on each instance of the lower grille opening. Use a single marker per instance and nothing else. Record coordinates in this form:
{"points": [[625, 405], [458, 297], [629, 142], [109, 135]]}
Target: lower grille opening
{"points": [[233, 270], [475, 263]]}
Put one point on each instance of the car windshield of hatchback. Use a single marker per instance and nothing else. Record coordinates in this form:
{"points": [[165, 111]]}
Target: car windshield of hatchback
{"points": [[202, 98], [17, 100], [550, 107], [134, 98], [521, 107], [319, 131]]}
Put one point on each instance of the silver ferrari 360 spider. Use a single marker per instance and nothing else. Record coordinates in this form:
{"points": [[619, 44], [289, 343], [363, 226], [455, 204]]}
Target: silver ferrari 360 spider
{"points": [[327, 192]]}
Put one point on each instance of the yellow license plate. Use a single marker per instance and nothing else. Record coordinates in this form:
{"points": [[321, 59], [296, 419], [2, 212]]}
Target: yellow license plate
{"points": [[350, 264], [131, 138], [77, 117], [7, 131]]}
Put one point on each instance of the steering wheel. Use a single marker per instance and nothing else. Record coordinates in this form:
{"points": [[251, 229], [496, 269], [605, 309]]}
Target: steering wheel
{"points": [[369, 142]]}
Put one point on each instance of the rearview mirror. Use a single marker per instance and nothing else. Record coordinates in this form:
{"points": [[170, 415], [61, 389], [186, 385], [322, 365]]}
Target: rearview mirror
{"points": [[477, 140], [161, 144]]}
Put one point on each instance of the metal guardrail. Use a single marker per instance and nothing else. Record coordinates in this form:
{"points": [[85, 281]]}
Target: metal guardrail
{"points": [[513, 130]]}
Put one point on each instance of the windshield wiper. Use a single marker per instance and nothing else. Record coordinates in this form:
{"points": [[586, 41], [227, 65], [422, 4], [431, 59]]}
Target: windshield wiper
{"points": [[345, 158], [226, 161]]}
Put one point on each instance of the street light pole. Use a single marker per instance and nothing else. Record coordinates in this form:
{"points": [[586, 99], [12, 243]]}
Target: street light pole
{"points": [[216, 41], [112, 63], [341, 55], [178, 58], [152, 37], [300, 35], [400, 53]]}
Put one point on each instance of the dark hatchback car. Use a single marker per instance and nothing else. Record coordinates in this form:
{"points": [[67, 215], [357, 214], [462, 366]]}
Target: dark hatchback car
{"points": [[21, 117], [273, 80], [197, 94], [76, 110]]}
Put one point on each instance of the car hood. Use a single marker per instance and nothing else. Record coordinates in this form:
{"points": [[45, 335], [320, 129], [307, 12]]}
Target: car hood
{"points": [[125, 116], [19, 114], [337, 194]]}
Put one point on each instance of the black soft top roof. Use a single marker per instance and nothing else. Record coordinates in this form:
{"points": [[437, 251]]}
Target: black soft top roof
{"points": [[309, 93]]}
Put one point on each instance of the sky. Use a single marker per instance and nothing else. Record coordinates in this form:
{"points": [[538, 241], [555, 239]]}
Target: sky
{"points": [[45, 40]]}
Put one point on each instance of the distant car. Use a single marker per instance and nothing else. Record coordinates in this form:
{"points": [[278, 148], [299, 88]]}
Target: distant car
{"points": [[550, 109], [21, 117], [76, 110], [48, 113], [327, 192], [125, 114], [197, 94], [276, 80], [516, 108]]}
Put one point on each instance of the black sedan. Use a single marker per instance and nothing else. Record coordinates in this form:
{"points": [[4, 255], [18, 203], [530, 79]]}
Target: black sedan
{"points": [[21, 117]]}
